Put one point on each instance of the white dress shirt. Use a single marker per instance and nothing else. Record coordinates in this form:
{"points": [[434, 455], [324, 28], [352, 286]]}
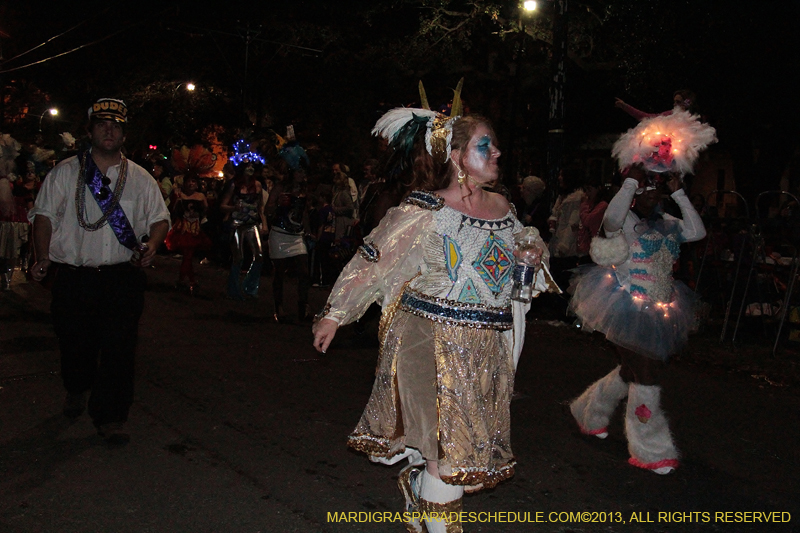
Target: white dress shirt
{"points": [[141, 201]]}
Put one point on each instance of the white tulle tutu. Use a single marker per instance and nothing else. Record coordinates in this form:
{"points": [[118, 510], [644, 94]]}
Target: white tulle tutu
{"points": [[655, 330]]}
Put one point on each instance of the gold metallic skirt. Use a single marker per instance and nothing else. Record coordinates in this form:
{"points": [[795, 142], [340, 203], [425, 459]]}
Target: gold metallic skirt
{"points": [[445, 390]]}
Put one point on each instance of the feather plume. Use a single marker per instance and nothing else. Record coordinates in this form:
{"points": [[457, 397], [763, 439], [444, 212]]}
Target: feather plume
{"points": [[197, 159], [393, 121], [665, 143]]}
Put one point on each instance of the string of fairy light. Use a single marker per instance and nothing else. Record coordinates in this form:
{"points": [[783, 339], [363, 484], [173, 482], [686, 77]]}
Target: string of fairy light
{"points": [[243, 154]]}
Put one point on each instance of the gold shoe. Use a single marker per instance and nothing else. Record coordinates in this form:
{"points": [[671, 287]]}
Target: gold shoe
{"points": [[408, 484]]}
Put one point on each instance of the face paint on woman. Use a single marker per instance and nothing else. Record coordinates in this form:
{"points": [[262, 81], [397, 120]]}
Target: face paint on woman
{"points": [[484, 146]]}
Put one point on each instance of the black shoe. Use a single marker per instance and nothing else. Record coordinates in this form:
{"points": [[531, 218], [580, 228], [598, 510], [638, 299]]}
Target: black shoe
{"points": [[74, 405], [113, 434]]}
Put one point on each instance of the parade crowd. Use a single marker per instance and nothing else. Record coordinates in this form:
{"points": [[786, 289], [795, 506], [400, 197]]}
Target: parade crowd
{"points": [[424, 229]]}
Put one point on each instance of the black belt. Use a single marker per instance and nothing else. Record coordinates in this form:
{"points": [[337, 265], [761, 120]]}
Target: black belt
{"points": [[102, 268]]}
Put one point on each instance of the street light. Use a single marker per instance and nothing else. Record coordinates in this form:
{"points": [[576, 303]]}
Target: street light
{"points": [[53, 112], [189, 87], [529, 6]]}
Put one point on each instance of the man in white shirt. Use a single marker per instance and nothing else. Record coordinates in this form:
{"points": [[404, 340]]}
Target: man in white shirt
{"points": [[90, 221]]}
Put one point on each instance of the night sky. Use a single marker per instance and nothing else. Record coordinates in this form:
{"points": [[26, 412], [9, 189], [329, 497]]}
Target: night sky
{"points": [[739, 57]]}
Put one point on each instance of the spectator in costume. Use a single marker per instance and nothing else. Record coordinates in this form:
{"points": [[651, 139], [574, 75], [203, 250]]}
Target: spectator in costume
{"points": [[630, 296], [242, 201], [187, 236], [289, 224]]}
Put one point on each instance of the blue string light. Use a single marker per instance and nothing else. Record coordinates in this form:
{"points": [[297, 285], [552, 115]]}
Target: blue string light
{"points": [[242, 154]]}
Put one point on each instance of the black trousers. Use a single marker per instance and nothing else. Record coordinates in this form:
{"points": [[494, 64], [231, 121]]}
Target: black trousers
{"points": [[96, 318], [299, 265]]}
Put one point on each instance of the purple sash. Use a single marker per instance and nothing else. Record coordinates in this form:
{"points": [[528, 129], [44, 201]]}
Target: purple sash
{"points": [[116, 217]]}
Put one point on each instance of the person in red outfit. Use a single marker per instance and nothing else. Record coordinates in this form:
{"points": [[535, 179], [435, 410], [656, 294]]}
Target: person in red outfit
{"points": [[186, 235]]}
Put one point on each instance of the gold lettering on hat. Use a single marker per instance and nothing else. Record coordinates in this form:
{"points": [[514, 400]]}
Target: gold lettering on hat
{"points": [[104, 105]]}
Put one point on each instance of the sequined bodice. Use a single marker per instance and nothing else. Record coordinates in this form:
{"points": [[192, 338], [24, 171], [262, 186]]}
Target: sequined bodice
{"points": [[247, 208], [289, 213], [652, 257], [468, 260]]}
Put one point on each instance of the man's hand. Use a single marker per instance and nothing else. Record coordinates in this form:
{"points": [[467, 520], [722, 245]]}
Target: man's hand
{"points": [[148, 256], [39, 270]]}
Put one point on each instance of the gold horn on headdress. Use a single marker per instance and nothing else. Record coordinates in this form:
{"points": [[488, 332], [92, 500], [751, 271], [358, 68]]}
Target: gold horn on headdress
{"points": [[457, 108], [423, 98]]}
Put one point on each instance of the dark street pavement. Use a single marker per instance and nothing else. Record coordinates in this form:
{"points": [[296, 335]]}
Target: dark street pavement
{"points": [[239, 426]]}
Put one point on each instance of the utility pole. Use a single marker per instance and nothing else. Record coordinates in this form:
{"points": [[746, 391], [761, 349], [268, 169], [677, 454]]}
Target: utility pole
{"points": [[248, 38]]}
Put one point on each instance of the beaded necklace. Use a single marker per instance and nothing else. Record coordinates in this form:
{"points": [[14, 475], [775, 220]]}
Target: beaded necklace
{"points": [[80, 195]]}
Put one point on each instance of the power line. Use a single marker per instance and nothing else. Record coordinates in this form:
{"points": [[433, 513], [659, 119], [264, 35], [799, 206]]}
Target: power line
{"points": [[49, 40], [63, 53]]}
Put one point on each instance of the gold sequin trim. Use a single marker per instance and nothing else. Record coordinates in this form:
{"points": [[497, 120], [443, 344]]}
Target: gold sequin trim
{"points": [[371, 445], [489, 479]]}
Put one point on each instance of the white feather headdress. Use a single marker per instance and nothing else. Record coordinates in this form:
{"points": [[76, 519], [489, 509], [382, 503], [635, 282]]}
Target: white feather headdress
{"points": [[665, 143], [401, 125]]}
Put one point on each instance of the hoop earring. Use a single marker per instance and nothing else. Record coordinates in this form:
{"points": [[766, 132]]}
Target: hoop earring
{"points": [[462, 177]]}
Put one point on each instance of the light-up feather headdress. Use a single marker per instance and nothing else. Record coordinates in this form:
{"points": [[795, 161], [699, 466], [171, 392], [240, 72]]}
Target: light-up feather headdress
{"points": [[401, 125], [665, 143]]}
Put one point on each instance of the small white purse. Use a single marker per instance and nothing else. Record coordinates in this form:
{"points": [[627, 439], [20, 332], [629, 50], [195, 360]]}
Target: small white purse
{"points": [[610, 250]]}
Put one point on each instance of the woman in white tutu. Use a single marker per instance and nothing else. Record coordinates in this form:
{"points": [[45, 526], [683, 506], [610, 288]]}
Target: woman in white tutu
{"points": [[632, 298]]}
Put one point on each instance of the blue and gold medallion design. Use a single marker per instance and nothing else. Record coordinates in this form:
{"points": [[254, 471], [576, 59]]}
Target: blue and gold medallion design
{"points": [[494, 263], [452, 257], [469, 293]]}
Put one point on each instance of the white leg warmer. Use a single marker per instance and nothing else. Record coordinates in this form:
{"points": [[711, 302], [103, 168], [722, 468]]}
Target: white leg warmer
{"points": [[649, 440], [593, 409], [438, 499]]}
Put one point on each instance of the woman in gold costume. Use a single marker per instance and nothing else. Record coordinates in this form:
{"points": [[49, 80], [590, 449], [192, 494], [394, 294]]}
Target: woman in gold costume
{"points": [[441, 267]]}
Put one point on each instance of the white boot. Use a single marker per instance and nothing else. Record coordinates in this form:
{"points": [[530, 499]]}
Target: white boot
{"points": [[438, 499], [594, 407], [414, 458], [649, 440]]}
